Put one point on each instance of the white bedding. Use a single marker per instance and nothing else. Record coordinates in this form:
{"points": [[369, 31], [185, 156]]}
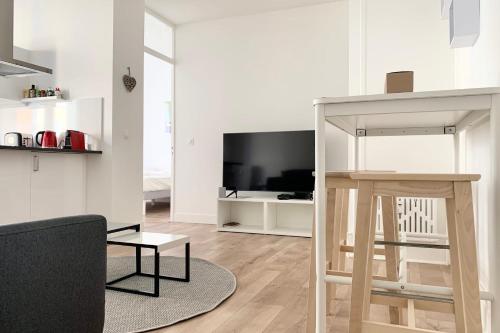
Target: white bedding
{"points": [[151, 184]]}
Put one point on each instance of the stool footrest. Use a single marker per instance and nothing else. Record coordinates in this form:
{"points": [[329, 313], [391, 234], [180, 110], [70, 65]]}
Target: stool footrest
{"points": [[412, 244], [396, 286], [350, 249], [413, 296], [374, 327], [349, 274]]}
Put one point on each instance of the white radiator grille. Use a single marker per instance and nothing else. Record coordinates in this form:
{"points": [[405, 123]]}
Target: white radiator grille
{"points": [[415, 215]]}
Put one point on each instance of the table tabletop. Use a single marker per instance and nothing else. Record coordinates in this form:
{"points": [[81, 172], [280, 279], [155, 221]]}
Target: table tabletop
{"points": [[162, 241]]}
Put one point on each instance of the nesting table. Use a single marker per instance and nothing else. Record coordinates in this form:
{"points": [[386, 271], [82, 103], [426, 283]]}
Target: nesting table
{"points": [[147, 240]]}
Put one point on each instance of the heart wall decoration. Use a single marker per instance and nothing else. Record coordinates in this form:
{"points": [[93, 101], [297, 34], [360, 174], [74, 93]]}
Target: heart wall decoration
{"points": [[129, 81]]}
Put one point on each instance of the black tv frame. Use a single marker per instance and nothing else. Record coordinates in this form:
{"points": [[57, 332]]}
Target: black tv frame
{"points": [[301, 192]]}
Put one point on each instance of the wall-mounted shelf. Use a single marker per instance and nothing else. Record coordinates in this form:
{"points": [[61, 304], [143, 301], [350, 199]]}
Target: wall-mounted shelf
{"points": [[14, 103], [43, 100], [266, 215], [10, 103], [51, 150]]}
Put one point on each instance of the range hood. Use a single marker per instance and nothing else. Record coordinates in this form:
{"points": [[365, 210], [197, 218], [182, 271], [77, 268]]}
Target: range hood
{"points": [[8, 65]]}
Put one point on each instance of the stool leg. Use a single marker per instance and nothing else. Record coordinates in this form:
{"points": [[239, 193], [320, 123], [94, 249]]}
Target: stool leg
{"points": [[363, 242], [463, 256], [344, 227], [369, 266], [331, 203], [389, 220], [335, 251], [311, 299]]}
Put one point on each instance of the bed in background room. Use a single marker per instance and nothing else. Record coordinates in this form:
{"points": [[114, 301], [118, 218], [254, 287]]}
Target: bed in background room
{"points": [[156, 187]]}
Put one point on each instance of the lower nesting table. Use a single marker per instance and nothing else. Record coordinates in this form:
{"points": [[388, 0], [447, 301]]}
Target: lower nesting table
{"points": [[158, 242]]}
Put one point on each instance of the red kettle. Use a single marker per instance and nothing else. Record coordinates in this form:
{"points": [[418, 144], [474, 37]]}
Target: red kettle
{"points": [[46, 139], [74, 140]]}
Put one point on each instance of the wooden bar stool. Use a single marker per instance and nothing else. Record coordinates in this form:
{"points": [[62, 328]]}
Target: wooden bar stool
{"points": [[456, 189], [338, 185]]}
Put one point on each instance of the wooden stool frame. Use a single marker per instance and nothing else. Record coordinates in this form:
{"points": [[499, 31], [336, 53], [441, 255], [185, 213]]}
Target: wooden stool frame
{"points": [[456, 190], [338, 185]]}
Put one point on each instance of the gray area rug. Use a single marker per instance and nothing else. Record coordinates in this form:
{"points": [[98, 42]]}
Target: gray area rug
{"points": [[210, 285]]}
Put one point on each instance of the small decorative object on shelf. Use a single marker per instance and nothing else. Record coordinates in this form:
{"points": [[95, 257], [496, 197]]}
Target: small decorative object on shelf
{"points": [[39, 95], [34, 92], [129, 81]]}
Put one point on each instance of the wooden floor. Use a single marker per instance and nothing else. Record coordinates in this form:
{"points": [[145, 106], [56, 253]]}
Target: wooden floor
{"points": [[272, 274]]}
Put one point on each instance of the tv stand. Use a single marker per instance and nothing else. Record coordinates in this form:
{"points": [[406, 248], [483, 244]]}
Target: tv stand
{"points": [[266, 215]]}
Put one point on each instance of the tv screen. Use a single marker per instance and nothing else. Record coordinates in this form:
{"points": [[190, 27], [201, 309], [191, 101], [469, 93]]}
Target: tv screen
{"points": [[269, 161]]}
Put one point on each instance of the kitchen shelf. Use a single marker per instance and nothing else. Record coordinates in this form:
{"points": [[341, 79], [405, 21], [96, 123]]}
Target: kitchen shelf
{"points": [[51, 150], [42, 99], [10, 103]]}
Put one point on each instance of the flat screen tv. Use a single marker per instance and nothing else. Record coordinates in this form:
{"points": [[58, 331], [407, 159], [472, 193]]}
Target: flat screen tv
{"points": [[269, 161]]}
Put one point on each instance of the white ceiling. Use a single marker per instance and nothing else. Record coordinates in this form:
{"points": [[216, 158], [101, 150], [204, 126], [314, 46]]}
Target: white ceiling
{"points": [[187, 11]]}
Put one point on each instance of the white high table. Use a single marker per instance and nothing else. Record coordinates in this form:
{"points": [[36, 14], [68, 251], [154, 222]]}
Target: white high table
{"points": [[437, 112]]}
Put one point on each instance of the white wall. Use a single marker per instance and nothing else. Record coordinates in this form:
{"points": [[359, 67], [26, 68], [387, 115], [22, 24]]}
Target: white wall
{"points": [[89, 47], [128, 50], [408, 35], [251, 73], [394, 35], [479, 66]]}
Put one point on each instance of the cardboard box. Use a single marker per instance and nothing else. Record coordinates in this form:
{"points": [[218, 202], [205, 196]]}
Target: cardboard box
{"points": [[398, 82]]}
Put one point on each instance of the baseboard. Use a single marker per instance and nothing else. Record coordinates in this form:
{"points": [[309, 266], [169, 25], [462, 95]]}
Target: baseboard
{"points": [[194, 218]]}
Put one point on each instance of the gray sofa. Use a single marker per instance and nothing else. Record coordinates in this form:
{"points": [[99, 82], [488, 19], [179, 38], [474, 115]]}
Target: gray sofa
{"points": [[53, 275]]}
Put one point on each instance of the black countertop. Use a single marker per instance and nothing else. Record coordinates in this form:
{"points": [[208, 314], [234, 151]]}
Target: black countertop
{"points": [[51, 150]]}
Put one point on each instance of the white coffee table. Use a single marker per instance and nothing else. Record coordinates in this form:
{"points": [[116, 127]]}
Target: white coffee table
{"points": [[158, 242]]}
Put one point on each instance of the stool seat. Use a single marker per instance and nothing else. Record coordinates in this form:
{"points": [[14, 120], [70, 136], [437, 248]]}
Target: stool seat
{"points": [[433, 177], [393, 175]]}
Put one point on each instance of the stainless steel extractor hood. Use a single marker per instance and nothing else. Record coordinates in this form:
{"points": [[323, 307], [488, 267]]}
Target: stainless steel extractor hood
{"points": [[8, 65]]}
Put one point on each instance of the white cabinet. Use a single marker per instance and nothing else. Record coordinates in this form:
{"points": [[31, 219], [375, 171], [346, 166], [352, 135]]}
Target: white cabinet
{"points": [[57, 185], [15, 174], [263, 215], [37, 186]]}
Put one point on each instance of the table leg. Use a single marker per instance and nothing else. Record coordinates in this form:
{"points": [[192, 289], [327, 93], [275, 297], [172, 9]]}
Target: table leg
{"points": [[157, 274], [138, 268], [188, 262]]}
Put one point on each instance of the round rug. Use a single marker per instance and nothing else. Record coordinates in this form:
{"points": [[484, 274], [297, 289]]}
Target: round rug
{"points": [[210, 285]]}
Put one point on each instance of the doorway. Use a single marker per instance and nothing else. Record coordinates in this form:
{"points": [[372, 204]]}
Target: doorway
{"points": [[158, 158]]}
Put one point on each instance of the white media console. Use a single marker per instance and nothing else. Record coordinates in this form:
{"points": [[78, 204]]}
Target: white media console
{"points": [[266, 215]]}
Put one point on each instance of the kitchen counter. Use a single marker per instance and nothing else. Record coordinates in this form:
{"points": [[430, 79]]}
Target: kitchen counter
{"points": [[51, 150]]}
